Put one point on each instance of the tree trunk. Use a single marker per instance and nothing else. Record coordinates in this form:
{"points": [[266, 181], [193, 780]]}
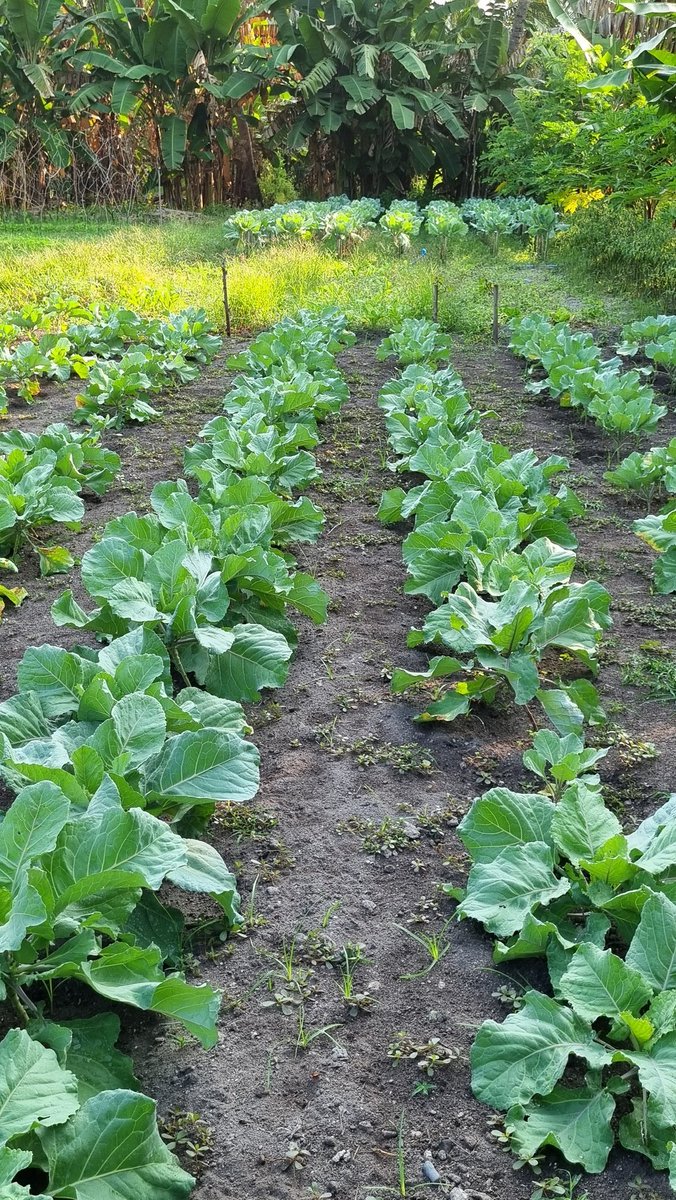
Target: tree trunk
{"points": [[518, 28], [244, 174]]}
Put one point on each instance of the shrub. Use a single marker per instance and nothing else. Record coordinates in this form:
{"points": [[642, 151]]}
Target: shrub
{"points": [[618, 244]]}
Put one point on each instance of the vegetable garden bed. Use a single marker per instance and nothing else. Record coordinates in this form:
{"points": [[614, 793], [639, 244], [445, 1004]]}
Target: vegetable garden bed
{"points": [[355, 824]]}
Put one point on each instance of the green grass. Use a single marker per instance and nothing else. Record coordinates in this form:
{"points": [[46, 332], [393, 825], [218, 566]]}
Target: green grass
{"points": [[152, 267]]}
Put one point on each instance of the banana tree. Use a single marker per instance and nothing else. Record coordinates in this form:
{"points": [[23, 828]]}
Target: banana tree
{"points": [[477, 71], [33, 105], [363, 78], [652, 62], [165, 64]]}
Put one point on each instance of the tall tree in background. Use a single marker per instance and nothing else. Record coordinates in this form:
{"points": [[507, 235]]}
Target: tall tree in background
{"points": [[363, 77], [379, 90]]}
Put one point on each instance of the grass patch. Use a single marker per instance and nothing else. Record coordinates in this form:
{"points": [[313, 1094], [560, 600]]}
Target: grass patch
{"points": [[153, 267]]}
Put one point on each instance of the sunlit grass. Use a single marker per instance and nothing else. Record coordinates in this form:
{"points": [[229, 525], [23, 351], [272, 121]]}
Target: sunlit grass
{"points": [[152, 268]]}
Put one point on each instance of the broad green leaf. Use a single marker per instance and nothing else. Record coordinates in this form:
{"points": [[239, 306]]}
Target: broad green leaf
{"points": [[308, 597], [112, 1150], [133, 842], [653, 948], [204, 766], [173, 138], [34, 1089], [89, 1052], [528, 1052], [624, 909], [660, 853], [205, 871], [111, 561], [126, 974], [439, 668], [582, 824], [662, 1013], [212, 712], [195, 1007], [58, 677], [501, 893], [21, 909], [657, 1073], [531, 942], [11, 1162], [403, 112], [645, 1131], [641, 838], [575, 1121], [104, 900], [599, 984], [154, 923], [501, 818], [141, 727], [31, 827], [258, 658]]}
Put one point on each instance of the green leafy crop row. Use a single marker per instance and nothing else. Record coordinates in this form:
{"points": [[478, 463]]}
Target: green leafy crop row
{"points": [[119, 354], [491, 548], [343, 222], [577, 374], [118, 759], [621, 404], [555, 877], [41, 478]]}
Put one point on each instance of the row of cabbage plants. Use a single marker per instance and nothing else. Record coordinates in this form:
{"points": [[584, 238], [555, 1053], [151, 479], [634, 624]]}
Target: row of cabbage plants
{"points": [[343, 222], [122, 358], [554, 875], [118, 752], [491, 548], [622, 404]]}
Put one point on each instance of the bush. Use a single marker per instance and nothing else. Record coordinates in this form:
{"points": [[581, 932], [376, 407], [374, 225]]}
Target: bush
{"points": [[275, 183], [620, 245]]}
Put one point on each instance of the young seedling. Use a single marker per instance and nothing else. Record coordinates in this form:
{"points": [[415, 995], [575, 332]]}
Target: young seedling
{"points": [[356, 1001], [333, 908], [305, 1037], [435, 946]]}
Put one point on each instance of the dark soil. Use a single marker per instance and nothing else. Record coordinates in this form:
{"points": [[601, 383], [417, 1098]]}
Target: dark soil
{"points": [[310, 886]]}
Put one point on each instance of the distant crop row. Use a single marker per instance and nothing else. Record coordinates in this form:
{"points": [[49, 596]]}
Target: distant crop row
{"points": [[342, 222], [621, 403], [122, 359], [491, 547]]}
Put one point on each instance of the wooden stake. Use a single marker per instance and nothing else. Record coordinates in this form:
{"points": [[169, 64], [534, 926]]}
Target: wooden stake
{"points": [[496, 310], [435, 300], [226, 300]]}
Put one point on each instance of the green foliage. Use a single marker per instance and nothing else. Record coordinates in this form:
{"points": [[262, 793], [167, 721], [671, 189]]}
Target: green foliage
{"points": [[558, 879], [416, 342], [575, 372], [114, 771], [71, 1105], [618, 245], [571, 143], [649, 474], [71, 882], [41, 476], [369, 80], [659, 532], [490, 547]]}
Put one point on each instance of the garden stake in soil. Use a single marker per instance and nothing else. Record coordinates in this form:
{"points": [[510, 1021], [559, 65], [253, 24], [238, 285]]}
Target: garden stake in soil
{"points": [[226, 299]]}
